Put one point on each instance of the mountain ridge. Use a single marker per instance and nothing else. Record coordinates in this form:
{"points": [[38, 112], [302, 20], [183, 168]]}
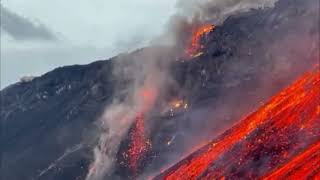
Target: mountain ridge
{"points": [[45, 117]]}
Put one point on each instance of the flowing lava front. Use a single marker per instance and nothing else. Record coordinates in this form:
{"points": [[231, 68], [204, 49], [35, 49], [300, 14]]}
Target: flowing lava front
{"points": [[279, 140], [195, 47]]}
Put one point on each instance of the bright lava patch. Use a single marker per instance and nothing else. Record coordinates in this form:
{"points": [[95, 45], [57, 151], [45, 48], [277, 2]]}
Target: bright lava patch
{"points": [[281, 138]]}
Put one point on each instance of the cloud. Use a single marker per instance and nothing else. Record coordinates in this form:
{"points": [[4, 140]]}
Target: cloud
{"points": [[219, 10], [21, 28]]}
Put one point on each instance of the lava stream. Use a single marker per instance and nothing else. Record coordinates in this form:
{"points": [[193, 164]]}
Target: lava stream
{"points": [[300, 167], [264, 140], [139, 144]]}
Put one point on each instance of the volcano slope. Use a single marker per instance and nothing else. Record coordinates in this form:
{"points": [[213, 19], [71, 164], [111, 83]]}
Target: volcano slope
{"points": [[272, 136], [48, 124]]}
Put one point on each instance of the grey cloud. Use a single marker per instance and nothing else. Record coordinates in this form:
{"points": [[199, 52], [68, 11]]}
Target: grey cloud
{"points": [[21, 28], [219, 10]]}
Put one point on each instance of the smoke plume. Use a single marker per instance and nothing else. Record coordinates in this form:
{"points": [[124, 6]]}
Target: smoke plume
{"points": [[139, 78], [217, 10], [194, 13], [143, 78]]}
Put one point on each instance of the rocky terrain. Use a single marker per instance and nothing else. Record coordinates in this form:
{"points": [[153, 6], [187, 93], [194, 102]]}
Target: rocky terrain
{"points": [[48, 123]]}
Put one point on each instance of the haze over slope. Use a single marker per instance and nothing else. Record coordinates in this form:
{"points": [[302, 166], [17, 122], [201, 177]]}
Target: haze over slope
{"points": [[60, 123]]}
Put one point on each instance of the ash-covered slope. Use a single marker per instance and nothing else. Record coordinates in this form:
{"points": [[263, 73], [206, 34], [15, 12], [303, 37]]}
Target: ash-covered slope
{"points": [[49, 126]]}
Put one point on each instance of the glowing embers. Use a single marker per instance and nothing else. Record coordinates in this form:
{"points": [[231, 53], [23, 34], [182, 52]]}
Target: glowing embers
{"points": [[195, 48], [263, 141], [139, 144], [175, 107], [169, 142], [178, 104]]}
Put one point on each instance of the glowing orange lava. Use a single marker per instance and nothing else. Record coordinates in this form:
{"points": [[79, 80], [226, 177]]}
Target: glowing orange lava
{"points": [[195, 47], [264, 140], [177, 104], [139, 144], [303, 166]]}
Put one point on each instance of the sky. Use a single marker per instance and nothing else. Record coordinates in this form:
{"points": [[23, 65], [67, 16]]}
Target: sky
{"points": [[38, 36]]}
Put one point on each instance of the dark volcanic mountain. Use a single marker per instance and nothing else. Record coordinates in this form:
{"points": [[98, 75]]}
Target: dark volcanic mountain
{"points": [[48, 123]]}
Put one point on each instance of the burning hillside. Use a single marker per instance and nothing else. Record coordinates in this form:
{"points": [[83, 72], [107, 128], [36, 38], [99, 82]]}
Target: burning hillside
{"points": [[271, 139]]}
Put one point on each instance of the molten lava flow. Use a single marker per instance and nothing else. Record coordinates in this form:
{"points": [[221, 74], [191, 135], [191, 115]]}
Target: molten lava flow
{"points": [[195, 47], [267, 138], [303, 166], [139, 144]]}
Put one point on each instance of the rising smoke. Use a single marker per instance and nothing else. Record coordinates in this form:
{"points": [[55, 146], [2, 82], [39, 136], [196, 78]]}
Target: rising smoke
{"points": [[139, 79], [217, 10], [147, 70], [193, 13]]}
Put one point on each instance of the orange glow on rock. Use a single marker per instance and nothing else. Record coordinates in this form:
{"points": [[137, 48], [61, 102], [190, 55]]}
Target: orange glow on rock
{"points": [[195, 47], [139, 144]]}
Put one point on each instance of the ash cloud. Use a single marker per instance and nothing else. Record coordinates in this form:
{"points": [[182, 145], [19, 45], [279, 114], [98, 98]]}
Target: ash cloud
{"points": [[193, 13], [22, 29], [218, 10]]}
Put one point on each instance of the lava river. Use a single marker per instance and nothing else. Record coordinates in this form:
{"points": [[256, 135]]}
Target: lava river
{"points": [[281, 140]]}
